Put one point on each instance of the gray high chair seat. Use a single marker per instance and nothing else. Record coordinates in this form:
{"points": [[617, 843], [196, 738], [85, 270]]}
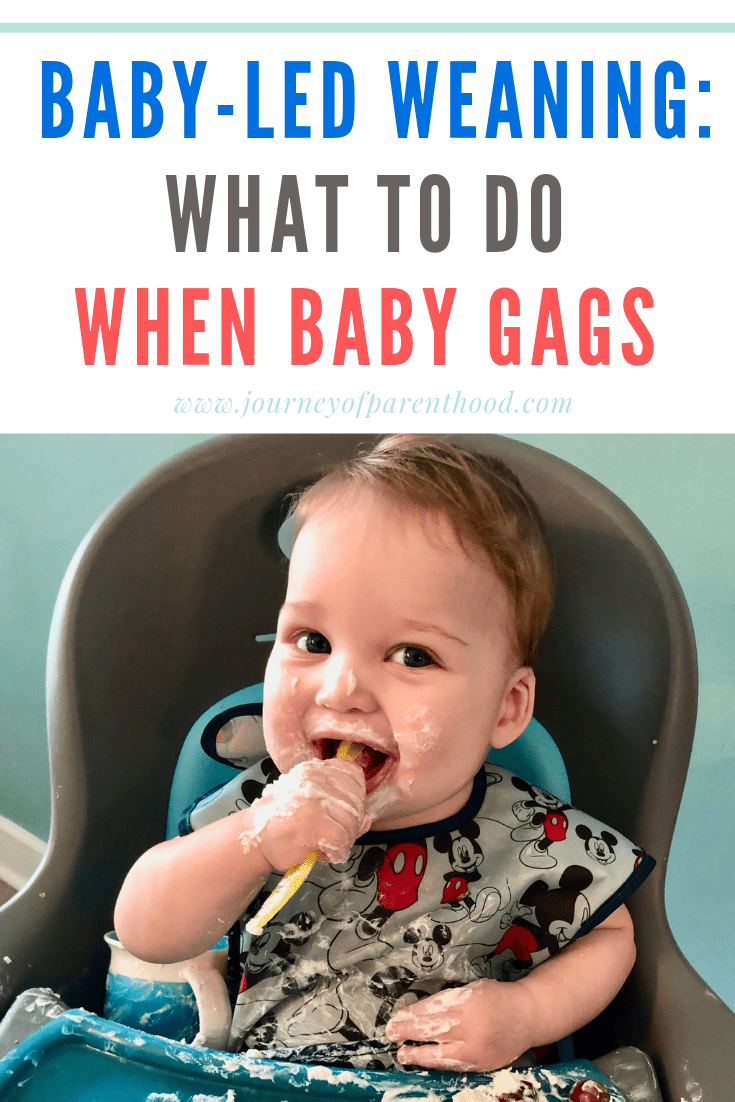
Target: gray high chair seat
{"points": [[156, 620]]}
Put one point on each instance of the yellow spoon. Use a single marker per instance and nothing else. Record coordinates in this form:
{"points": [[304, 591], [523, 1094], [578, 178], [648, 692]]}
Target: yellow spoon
{"points": [[292, 880]]}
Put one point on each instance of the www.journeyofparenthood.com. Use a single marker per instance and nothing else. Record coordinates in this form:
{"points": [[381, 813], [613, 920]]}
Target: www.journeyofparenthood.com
{"points": [[369, 404]]}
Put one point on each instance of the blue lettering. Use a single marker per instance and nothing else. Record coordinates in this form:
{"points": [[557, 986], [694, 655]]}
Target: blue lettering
{"points": [[100, 92], [588, 99], [616, 93], [58, 98], [255, 130], [503, 83], [459, 99], [542, 93], [140, 99], [416, 98], [293, 99], [677, 106], [332, 69], [190, 94]]}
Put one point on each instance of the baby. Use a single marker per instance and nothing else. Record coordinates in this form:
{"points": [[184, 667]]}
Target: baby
{"points": [[419, 585]]}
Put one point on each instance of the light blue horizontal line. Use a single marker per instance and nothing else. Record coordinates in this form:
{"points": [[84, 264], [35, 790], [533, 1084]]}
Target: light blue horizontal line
{"points": [[367, 28]]}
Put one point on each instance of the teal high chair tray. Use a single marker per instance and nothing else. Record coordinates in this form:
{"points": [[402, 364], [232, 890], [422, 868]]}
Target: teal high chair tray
{"points": [[85, 1058]]}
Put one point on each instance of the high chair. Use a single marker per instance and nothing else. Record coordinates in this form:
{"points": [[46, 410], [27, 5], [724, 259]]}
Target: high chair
{"points": [[157, 620]]}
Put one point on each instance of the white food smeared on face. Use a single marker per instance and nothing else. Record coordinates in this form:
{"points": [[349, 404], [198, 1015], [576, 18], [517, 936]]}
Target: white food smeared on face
{"points": [[334, 725], [421, 733], [380, 800], [415, 740], [395, 761]]}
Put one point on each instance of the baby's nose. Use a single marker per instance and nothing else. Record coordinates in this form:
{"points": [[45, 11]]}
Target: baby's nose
{"points": [[342, 690]]}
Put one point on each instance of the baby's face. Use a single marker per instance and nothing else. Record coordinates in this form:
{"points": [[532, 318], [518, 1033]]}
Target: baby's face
{"points": [[392, 636]]}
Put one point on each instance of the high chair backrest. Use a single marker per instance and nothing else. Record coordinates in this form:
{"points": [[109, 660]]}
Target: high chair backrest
{"points": [[157, 618]]}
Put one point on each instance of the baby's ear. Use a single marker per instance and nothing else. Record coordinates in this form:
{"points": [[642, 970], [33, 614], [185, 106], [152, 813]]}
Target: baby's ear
{"points": [[517, 708]]}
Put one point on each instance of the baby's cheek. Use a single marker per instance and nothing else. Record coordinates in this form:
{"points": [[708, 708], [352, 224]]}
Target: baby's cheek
{"points": [[282, 726], [416, 739]]}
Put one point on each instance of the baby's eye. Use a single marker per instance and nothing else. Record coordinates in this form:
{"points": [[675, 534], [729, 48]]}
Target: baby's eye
{"points": [[414, 657], [313, 642]]}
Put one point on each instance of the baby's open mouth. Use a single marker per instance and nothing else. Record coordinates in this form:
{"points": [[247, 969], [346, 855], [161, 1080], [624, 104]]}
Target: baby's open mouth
{"points": [[375, 764]]}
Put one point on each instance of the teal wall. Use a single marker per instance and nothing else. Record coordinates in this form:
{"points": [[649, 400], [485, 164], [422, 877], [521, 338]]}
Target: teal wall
{"points": [[53, 488]]}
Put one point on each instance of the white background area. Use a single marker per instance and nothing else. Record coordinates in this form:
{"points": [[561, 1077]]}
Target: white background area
{"points": [[635, 212]]}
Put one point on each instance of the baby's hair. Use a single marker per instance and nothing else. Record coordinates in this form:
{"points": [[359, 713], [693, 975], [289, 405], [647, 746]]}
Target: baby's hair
{"points": [[481, 498]]}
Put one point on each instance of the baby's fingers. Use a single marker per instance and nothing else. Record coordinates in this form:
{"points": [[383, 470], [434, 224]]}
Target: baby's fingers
{"points": [[408, 1025], [347, 812], [431, 1017], [335, 843], [448, 1055]]}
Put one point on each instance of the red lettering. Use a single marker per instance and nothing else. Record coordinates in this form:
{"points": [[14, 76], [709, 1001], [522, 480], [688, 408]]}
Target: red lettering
{"points": [[301, 325], [549, 342], [636, 322], [600, 332], [157, 325], [351, 312], [244, 330], [99, 326], [439, 317], [389, 324], [192, 325], [497, 332]]}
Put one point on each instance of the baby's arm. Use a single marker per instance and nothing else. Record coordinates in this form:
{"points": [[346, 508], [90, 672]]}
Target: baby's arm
{"points": [[487, 1024], [181, 896]]}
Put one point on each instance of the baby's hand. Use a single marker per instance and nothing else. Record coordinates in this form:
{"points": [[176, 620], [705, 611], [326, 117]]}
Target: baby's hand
{"points": [[480, 1027], [317, 805]]}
